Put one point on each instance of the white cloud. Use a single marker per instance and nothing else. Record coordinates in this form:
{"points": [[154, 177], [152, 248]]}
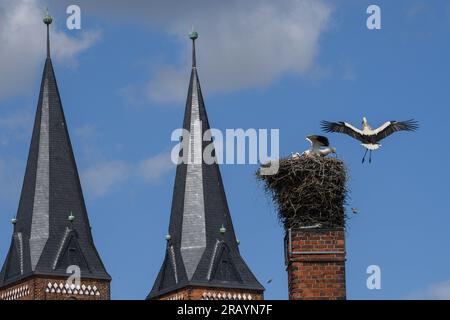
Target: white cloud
{"points": [[86, 132], [15, 126], [415, 9], [22, 38], [153, 168], [11, 175], [102, 175], [67, 48], [106, 176], [437, 291], [168, 84], [242, 44]]}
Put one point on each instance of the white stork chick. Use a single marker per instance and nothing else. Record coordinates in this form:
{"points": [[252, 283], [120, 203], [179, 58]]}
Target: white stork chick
{"points": [[320, 146], [370, 138]]}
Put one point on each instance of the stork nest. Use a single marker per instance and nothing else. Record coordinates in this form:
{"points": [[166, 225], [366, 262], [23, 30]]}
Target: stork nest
{"points": [[309, 192]]}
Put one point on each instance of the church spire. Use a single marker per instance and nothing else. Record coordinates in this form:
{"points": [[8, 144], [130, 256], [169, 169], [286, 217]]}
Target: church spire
{"points": [[51, 228], [202, 249]]}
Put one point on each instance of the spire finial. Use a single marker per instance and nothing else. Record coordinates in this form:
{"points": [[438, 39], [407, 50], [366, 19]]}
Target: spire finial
{"points": [[48, 21], [193, 35], [47, 18]]}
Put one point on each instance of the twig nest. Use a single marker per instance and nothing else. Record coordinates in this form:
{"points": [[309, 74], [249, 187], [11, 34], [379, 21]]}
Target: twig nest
{"points": [[309, 191]]}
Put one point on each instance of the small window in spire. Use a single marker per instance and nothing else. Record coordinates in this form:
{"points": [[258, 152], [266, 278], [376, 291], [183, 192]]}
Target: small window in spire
{"points": [[73, 256]]}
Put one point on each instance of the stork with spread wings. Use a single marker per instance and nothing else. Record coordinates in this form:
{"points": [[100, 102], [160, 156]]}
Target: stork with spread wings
{"points": [[370, 138]]}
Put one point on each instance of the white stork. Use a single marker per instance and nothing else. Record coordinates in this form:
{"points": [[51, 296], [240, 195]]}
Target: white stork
{"points": [[320, 146], [370, 138]]}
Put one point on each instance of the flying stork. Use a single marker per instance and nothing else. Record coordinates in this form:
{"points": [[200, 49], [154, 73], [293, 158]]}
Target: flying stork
{"points": [[370, 138], [320, 146]]}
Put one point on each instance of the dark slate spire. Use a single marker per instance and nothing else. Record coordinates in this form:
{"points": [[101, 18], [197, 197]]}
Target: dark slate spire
{"points": [[202, 249], [51, 229]]}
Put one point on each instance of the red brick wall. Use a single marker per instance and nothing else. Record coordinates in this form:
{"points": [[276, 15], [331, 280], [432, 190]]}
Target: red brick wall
{"points": [[197, 293], [315, 261], [37, 288]]}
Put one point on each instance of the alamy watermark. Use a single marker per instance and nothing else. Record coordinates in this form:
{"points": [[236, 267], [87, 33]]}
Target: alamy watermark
{"points": [[74, 280], [235, 146], [374, 280], [73, 21], [373, 22]]}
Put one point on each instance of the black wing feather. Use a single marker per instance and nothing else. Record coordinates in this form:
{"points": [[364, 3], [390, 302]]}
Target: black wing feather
{"points": [[321, 139], [340, 127]]}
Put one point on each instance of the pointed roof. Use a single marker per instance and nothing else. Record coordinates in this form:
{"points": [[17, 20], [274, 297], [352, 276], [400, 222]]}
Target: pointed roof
{"points": [[51, 229], [202, 249]]}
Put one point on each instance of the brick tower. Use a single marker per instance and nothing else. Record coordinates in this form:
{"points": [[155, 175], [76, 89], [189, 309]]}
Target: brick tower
{"points": [[52, 236], [202, 259], [315, 260]]}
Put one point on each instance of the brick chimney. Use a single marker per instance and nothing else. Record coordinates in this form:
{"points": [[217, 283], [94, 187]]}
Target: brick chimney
{"points": [[315, 261]]}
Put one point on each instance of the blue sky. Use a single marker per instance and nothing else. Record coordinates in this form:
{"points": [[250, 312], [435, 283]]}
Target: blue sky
{"points": [[123, 79]]}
